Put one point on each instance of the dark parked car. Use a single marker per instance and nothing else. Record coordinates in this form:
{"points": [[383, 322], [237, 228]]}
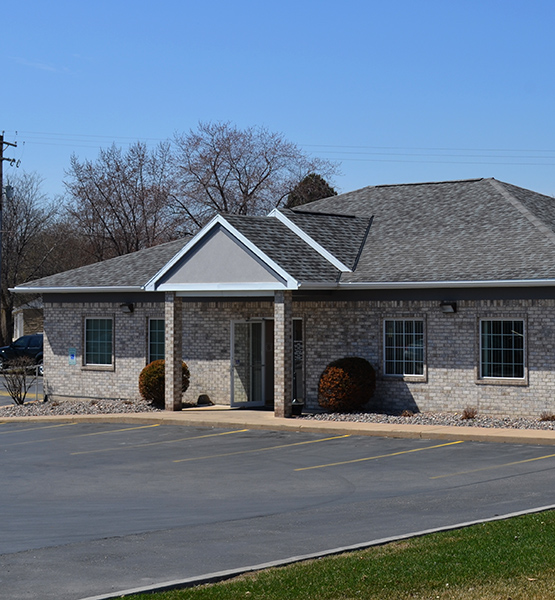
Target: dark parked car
{"points": [[27, 345]]}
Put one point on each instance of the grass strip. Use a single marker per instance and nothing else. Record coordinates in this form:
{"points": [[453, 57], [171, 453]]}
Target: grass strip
{"points": [[500, 560]]}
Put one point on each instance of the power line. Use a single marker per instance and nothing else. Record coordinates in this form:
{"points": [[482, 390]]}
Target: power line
{"points": [[443, 155], [445, 162], [342, 153], [84, 136], [91, 138], [426, 149]]}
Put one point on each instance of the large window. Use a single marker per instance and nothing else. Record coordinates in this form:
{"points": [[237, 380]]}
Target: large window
{"points": [[502, 348], [98, 342], [404, 347], [156, 337]]}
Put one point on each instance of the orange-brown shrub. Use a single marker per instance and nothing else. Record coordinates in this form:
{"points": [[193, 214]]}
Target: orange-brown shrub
{"points": [[152, 382], [346, 384], [470, 412]]}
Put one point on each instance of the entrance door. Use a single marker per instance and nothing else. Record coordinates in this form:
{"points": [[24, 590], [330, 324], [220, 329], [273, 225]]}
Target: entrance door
{"points": [[248, 364], [252, 362]]}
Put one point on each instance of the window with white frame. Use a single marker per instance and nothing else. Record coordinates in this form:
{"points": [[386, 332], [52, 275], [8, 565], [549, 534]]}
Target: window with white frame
{"points": [[404, 347], [156, 340], [98, 341], [502, 348]]}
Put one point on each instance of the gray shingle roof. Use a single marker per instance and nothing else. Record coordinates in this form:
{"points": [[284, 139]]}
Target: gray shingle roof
{"points": [[474, 230], [130, 270], [285, 248], [340, 235], [455, 231]]}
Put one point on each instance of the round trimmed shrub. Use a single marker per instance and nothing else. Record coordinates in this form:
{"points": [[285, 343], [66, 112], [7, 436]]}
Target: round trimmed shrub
{"points": [[152, 382], [346, 384]]}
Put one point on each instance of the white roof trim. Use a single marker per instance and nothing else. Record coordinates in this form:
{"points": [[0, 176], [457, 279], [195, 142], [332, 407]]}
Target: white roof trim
{"points": [[291, 282], [449, 284], [228, 294], [310, 241], [270, 287], [216, 287]]}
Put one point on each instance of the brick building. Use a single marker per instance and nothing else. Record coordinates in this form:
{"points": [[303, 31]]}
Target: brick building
{"points": [[447, 288]]}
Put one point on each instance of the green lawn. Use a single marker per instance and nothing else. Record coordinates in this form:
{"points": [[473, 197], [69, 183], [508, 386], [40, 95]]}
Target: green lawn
{"points": [[501, 560]]}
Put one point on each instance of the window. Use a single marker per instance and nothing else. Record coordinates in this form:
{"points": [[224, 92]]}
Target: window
{"points": [[502, 348], [156, 340], [404, 347], [98, 341]]}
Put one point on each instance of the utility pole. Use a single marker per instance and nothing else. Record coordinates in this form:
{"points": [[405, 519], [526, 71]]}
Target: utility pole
{"points": [[12, 161]]}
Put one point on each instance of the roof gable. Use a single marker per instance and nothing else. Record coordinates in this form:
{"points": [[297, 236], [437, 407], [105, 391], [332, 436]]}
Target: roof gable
{"points": [[220, 261], [264, 245]]}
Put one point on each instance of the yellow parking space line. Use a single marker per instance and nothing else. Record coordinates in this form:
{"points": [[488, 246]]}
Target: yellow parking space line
{"points": [[132, 446], [356, 460], [78, 435], [35, 428], [338, 437], [516, 462], [6, 394], [117, 430]]}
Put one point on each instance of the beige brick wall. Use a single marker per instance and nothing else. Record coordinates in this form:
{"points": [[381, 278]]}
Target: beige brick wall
{"points": [[452, 347], [64, 326], [331, 330]]}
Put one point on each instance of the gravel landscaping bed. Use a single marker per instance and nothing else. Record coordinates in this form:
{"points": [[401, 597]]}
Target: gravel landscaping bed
{"points": [[435, 419], [98, 407], [90, 407]]}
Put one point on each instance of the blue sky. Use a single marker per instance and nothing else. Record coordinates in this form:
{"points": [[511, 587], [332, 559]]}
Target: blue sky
{"points": [[395, 90]]}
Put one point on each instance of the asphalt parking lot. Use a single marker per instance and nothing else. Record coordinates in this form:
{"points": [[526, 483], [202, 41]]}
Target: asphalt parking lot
{"points": [[90, 508]]}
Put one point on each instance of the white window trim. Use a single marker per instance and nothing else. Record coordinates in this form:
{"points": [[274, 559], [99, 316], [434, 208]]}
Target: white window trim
{"points": [[409, 377], [481, 378], [97, 366], [150, 319]]}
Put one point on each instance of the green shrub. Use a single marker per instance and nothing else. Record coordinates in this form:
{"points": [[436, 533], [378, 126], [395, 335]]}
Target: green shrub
{"points": [[346, 384], [152, 382]]}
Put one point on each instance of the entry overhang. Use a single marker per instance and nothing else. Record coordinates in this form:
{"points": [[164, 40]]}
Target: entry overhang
{"points": [[220, 258]]}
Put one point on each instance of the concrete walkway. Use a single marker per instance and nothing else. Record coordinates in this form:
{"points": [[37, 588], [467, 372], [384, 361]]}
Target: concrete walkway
{"points": [[226, 418]]}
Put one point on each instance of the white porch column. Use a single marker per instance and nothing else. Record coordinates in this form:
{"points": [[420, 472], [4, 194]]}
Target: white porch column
{"points": [[283, 353], [174, 350]]}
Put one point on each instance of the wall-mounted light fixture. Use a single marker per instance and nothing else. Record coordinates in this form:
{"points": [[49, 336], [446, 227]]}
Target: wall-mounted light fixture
{"points": [[126, 307], [448, 307]]}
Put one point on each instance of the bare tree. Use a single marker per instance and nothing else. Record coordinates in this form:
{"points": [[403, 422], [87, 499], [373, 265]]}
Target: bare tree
{"points": [[26, 217], [120, 203], [223, 169], [19, 378]]}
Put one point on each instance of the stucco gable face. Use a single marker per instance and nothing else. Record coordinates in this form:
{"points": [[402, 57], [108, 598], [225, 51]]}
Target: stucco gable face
{"points": [[220, 261]]}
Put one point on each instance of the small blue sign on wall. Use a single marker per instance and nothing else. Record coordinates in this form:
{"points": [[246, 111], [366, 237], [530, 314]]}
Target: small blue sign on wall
{"points": [[72, 356]]}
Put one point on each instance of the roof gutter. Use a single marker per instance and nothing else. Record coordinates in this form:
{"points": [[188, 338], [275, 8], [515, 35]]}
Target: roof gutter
{"points": [[403, 285], [322, 285]]}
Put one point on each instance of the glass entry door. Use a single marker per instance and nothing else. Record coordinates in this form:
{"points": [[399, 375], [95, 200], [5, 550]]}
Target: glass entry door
{"points": [[248, 363]]}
